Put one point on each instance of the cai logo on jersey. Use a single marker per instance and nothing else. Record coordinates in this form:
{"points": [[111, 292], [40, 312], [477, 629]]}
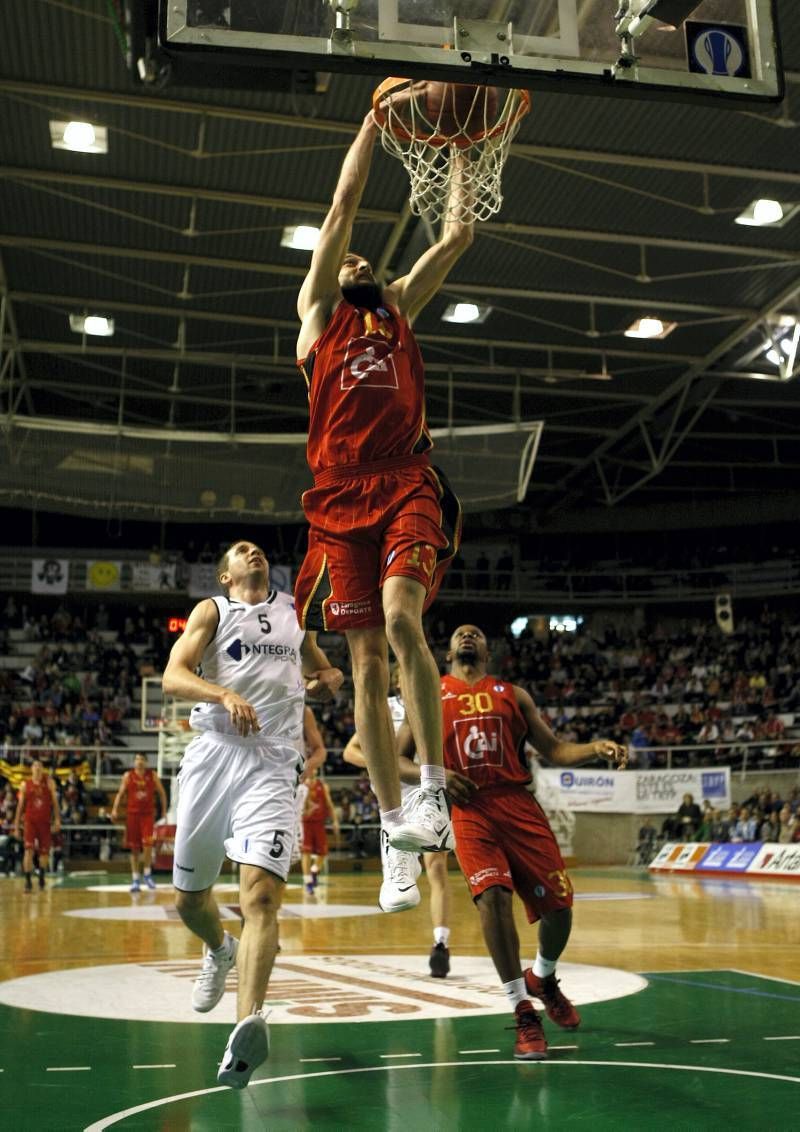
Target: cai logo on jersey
{"points": [[369, 361], [479, 741], [238, 648]]}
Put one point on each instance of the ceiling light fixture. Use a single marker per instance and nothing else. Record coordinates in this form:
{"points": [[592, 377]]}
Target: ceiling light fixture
{"points": [[94, 324], [303, 237], [650, 327], [80, 137], [767, 213], [466, 312]]}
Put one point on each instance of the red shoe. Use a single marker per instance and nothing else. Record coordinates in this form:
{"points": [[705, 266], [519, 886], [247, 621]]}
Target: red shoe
{"points": [[531, 1044], [557, 1006]]}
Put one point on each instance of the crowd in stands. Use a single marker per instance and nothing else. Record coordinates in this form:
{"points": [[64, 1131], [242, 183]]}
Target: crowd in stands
{"points": [[77, 686]]}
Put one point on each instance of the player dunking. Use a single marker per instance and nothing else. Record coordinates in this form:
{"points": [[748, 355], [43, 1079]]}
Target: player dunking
{"points": [[504, 843], [238, 778], [383, 521], [37, 811], [140, 786]]}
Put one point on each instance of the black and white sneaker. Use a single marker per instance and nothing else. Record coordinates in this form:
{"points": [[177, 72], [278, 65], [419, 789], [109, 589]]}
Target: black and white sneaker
{"points": [[400, 871], [425, 826], [439, 961], [247, 1048]]}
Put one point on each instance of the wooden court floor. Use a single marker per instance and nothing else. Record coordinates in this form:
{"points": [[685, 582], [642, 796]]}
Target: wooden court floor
{"points": [[689, 992]]}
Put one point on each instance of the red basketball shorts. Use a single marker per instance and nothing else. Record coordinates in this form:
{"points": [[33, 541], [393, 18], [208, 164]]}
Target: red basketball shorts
{"points": [[503, 838], [367, 526], [36, 835], [139, 831], [315, 840]]}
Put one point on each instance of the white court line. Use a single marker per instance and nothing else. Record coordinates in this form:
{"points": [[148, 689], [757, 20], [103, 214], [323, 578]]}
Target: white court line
{"points": [[784, 1038], [562, 1047], [308, 1060], [708, 1041], [68, 1068], [479, 1051], [758, 975], [535, 1066], [154, 1067], [625, 1045], [387, 1056]]}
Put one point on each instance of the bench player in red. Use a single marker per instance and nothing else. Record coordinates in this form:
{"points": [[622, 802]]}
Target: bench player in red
{"points": [[140, 786], [383, 522], [317, 809], [37, 811], [504, 842]]}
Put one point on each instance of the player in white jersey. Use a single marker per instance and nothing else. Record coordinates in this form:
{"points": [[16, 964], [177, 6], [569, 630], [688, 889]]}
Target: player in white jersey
{"points": [[401, 869], [238, 778]]}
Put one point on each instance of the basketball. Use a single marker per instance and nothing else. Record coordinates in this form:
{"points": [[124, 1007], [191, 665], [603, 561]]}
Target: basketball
{"points": [[461, 112]]}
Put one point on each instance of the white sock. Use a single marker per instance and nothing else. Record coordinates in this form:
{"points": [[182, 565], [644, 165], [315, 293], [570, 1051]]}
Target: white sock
{"points": [[307, 878], [148, 872], [314, 870], [543, 967], [390, 818], [136, 877], [515, 992], [441, 935], [224, 948], [431, 777]]}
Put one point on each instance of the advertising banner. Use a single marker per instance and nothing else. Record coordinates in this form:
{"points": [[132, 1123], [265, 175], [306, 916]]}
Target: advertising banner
{"points": [[153, 576], [105, 576], [203, 580], [49, 575], [634, 791], [776, 860], [727, 858]]}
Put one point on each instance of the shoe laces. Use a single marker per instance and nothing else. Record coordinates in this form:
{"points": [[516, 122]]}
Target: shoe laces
{"points": [[399, 866]]}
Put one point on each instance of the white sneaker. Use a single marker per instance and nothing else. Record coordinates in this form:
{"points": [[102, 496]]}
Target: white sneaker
{"points": [[247, 1048], [209, 986], [400, 871], [425, 825]]}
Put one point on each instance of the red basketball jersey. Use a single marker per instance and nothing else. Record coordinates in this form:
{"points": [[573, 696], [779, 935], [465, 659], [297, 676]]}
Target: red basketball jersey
{"points": [[365, 390], [316, 809], [38, 800], [484, 731], [141, 793]]}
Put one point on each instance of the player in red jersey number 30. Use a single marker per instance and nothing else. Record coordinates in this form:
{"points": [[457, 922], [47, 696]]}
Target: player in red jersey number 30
{"points": [[504, 842]]}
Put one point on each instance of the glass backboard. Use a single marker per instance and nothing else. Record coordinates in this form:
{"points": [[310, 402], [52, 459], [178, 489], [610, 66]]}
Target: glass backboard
{"points": [[680, 48]]}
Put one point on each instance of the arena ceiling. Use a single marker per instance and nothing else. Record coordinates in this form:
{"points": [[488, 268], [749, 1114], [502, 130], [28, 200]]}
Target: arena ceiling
{"points": [[614, 209]]}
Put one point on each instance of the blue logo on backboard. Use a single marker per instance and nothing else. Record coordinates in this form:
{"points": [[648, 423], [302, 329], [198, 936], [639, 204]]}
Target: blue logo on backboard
{"points": [[717, 49]]}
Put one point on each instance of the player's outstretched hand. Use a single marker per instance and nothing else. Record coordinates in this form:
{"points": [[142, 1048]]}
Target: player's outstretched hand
{"points": [[614, 752], [243, 715], [459, 787], [324, 683]]}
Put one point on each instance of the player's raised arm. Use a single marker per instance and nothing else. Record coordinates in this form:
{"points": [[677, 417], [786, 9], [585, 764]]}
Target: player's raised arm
{"points": [[564, 754], [320, 289], [413, 291], [180, 678]]}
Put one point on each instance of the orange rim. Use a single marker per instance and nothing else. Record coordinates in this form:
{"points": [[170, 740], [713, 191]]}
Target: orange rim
{"points": [[388, 86]]}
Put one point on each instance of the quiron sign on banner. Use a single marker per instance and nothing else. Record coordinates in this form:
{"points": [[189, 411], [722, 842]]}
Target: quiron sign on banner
{"points": [[634, 791]]}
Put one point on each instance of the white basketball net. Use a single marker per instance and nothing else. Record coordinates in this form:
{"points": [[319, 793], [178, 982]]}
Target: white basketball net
{"points": [[454, 175]]}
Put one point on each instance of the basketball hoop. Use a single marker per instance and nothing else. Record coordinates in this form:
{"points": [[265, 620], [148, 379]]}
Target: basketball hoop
{"points": [[453, 141]]}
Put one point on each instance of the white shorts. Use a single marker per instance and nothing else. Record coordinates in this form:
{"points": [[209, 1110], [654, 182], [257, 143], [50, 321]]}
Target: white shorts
{"points": [[235, 797]]}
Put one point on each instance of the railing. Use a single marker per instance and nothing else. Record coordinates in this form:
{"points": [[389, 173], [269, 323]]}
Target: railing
{"points": [[739, 755], [547, 587]]}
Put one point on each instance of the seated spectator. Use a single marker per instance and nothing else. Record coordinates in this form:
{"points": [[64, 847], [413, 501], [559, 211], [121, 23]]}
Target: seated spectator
{"points": [[688, 817], [769, 828], [746, 826]]}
